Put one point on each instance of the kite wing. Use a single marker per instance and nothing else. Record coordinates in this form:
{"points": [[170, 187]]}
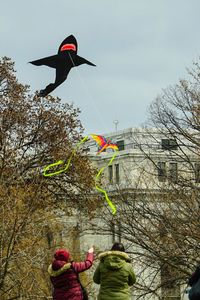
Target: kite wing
{"points": [[112, 146], [70, 43], [78, 60], [99, 139], [50, 61]]}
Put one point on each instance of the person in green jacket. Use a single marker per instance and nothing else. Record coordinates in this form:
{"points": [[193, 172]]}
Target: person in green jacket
{"points": [[114, 274]]}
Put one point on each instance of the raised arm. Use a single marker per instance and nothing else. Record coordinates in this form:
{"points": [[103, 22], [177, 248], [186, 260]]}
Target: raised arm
{"points": [[84, 265]]}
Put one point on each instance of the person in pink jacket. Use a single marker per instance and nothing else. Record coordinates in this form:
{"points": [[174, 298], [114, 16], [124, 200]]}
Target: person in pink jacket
{"points": [[64, 275]]}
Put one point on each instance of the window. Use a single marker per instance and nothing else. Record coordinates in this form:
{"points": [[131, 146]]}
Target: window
{"points": [[110, 174], [120, 145], [161, 167], [117, 173], [197, 172], [173, 172], [169, 144]]}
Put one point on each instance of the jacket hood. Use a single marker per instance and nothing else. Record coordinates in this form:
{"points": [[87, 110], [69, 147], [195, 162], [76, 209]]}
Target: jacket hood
{"points": [[114, 260], [57, 264], [55, 273]]}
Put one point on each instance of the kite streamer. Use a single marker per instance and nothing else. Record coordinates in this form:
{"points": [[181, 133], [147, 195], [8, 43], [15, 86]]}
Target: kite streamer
{"points": [[103, 144], [112, 206], [61, 162]]}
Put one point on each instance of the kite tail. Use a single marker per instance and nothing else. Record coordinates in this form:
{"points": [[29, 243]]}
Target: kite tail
{"points": [[112, 206], [61, 162]]}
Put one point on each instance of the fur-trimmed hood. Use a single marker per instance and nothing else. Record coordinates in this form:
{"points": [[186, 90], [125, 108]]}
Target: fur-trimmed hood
{"points": [[114, 260], [56, 273], [121, 254]]}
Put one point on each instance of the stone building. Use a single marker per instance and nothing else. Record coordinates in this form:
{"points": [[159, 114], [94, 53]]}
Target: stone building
{"points": [[147, 162]]}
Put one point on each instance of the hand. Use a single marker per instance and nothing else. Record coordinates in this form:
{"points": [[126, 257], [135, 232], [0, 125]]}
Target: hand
{"points": [[91, 250]]}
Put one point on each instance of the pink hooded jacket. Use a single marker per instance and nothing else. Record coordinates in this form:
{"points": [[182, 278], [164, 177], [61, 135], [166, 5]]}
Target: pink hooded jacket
{"points": [[63, 275]]}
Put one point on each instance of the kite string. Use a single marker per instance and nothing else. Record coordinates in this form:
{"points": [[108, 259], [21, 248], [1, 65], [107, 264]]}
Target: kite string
{"points": [[112, 206], [102, 169], [88, 92]]}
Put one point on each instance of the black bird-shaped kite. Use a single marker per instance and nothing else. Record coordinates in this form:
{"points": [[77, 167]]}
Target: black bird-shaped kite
{"points": [[66, 59]]}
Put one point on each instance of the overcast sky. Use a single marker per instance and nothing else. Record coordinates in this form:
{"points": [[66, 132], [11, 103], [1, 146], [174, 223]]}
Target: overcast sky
{"points": [[139, 47]]}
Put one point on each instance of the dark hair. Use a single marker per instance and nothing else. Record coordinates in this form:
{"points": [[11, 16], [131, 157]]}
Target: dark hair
{"points": [[118, 247]]}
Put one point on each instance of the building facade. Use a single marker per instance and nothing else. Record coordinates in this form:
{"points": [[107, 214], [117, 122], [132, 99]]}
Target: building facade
{"points": [[147, 162]]}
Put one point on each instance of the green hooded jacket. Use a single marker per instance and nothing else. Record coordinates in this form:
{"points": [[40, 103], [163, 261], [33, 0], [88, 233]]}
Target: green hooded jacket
{"points": [[115, 276]]}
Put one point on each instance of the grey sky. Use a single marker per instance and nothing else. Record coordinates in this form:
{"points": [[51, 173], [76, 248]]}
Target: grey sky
{"points": [[139, 47]]}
